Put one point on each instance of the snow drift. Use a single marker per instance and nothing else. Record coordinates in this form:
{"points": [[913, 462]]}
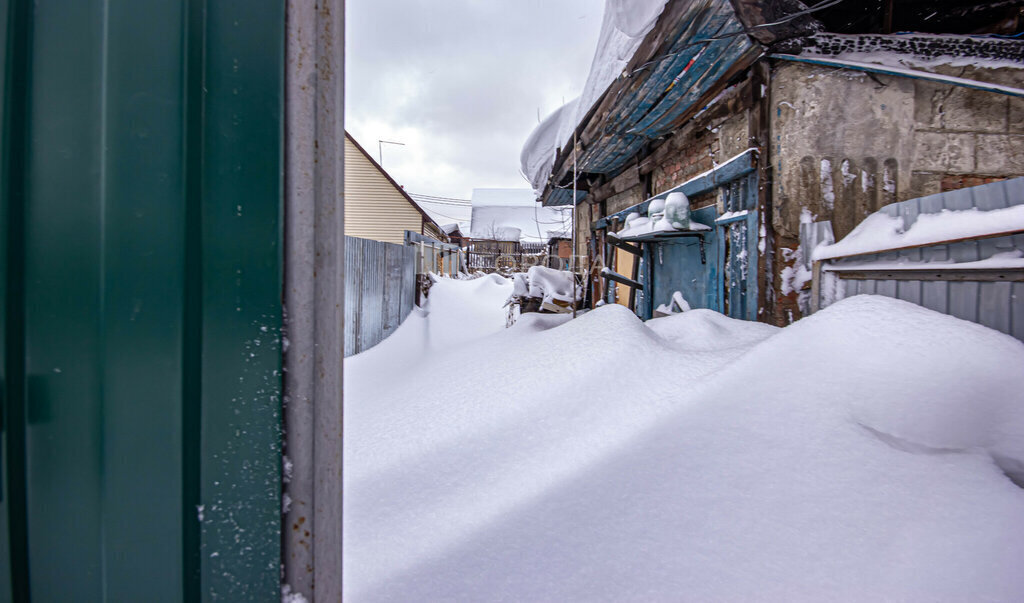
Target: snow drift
{"points": [[867, 452]]}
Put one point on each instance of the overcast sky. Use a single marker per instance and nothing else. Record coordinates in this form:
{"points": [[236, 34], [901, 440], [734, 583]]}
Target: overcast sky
{"points": [[460, 82]]}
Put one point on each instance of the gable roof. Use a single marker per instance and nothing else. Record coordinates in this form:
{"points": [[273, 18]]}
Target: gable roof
{"points": [[398, 187]]}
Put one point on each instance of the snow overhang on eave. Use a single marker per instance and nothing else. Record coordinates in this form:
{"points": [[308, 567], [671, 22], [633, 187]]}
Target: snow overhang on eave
{"points": [[695, 47]]}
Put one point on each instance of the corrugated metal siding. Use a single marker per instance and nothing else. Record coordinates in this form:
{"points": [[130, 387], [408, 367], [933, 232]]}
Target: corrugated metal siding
{"points": [[998, 305], [380, 290], [374, 208]]}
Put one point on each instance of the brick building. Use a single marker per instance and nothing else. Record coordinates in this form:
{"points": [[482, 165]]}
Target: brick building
{"points": [[768, 114]]}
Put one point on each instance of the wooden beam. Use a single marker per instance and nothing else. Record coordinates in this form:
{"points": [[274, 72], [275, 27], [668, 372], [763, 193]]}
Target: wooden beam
{"points": [[618, 278], [635, 250]]}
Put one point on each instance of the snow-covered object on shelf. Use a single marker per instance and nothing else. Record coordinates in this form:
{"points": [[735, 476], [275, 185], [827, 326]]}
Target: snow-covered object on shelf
{"points": [[675, 305], [641, 226], [880, 231], [872, 451], [677, 211], [626, 23], [656, 209]]}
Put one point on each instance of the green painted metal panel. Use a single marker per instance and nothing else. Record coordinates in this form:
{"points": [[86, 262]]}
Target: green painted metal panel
{"points": [[241, 195], [140, 284], [6, 593]]}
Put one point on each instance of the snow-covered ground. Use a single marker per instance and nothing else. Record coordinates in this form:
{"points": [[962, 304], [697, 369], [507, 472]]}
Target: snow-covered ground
{"points": [[861, 454]]}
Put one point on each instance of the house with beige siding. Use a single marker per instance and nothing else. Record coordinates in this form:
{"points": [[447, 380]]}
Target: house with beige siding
{"points": [[376, 207]]}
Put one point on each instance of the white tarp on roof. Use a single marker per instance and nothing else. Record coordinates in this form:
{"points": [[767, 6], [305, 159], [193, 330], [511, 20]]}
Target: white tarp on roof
{"points": [[626, 23], [444, 210], [513, 215]]}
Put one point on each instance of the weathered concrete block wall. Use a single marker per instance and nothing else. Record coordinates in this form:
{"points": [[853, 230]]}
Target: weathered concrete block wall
{"points": [[845, 144], [966, 137]]}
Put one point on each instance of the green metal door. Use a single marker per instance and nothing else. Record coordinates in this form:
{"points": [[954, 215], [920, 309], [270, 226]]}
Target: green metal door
{"points": [[140, 289]]}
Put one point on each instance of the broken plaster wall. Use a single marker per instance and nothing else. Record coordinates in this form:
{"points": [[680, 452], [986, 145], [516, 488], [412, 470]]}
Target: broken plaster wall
{"points": [[845, 144]]}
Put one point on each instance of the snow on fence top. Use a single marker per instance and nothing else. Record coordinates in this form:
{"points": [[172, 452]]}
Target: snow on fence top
{"points": [[882, 232]]}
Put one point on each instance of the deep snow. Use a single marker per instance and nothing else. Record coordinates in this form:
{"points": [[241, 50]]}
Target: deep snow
{"points": [[859, 454]]}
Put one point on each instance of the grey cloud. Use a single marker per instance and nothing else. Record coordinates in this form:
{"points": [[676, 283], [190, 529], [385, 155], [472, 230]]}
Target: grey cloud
{"points": [[469, 74]]}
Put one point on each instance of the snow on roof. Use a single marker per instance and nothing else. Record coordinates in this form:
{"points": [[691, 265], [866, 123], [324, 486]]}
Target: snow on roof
{"points": [[916, 50], [445, 210], [532, 223], [872, 451], [626, 23]]}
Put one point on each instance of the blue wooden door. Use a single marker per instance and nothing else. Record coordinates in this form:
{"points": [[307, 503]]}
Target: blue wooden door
{"points": [[737, 249]]}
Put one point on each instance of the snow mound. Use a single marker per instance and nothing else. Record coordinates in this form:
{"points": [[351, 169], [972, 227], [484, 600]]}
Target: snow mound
{"points": [[867, 452], [535, 322], [456, 312], [705, 330]]}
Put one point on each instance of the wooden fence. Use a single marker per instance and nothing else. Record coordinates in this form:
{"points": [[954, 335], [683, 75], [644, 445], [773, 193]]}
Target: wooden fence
{"points": [[380, 289]]}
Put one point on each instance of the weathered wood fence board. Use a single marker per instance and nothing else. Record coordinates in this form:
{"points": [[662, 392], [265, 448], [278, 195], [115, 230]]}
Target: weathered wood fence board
{"points": [[380, 289]]}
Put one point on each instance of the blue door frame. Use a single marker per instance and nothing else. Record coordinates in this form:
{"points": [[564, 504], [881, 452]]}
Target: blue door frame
{"points": [[726, 280]]}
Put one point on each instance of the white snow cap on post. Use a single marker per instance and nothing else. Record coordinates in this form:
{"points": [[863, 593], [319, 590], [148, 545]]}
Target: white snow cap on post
{"points": [[626, 24]]}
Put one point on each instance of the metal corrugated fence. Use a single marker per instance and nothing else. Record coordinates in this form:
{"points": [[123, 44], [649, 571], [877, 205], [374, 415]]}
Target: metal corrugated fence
{"points": [[380, 290], [995, 300]]}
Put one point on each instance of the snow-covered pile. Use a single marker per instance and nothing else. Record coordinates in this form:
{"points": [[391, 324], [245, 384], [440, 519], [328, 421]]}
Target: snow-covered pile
{"points": [[675, 305], [626, 23], [545, 283], [864, 453]]}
